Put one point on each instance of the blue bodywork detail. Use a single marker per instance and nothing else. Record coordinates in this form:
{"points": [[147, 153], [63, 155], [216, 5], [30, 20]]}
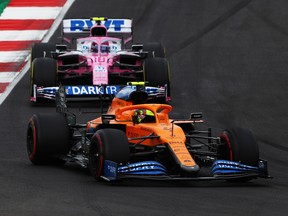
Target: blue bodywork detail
{"points": [[222, 167], [77, 91], [91, 90], [115, 90], [145, 168], [48, 91], [110, 170], [79, 25]]}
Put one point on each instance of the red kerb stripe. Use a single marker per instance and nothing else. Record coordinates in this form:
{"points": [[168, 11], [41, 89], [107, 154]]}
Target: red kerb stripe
{"points": [[3, 86], [11, 66], [37, 3], [16, 45], [26, 24]]}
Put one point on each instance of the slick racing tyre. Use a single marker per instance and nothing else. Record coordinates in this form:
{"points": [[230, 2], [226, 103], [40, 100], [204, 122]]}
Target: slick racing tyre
{"points": [[239, 145], [47, 138], [43, 73], [154, 49], [107, 144], [42, 50], [157, 72]]}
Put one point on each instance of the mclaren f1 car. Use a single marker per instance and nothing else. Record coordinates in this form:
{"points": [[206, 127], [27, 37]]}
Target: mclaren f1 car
{"points": [[137, 139], [94, 53]]}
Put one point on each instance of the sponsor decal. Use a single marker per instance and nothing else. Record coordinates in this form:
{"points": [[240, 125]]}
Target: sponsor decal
{"points": [[100, 69], [91, 90], [146, 129], [148, 89], [139, 166], [77, 25], [110, 170], [175, 142], [143, 168], [223, 166], [226, 167], [132, 134], [167, 128]]}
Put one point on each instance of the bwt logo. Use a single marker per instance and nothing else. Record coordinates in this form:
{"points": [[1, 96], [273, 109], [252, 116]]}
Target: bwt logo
{"points": [[78, 25]]}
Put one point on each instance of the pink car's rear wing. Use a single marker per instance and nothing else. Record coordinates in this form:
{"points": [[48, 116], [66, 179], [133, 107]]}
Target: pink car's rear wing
{"points": [[114, 26]]}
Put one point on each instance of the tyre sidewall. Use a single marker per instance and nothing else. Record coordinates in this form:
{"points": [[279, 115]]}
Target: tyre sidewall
{"points": [[50, 136], [108, 144], [156, 71], [44, 73], [241, 146]]}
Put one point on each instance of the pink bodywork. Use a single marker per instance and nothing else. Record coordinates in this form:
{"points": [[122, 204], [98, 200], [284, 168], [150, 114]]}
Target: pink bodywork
{"points": [[100, 55]]}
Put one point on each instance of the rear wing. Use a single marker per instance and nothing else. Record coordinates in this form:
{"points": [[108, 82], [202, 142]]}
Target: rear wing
{"points": [[84, 25], [81, 28]]}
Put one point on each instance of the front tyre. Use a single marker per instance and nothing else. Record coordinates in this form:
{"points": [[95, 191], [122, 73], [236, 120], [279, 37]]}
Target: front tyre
{"points": [[43, 73], [47, 138], [239, 145], [107, 144]]}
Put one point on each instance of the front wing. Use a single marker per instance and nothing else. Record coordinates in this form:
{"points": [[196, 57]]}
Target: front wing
{"points": [[152, 170], [75, 92], [79, 93]]}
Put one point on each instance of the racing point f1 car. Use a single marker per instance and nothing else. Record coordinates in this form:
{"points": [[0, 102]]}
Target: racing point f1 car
{"points": [[137, 139], [95, 52]]}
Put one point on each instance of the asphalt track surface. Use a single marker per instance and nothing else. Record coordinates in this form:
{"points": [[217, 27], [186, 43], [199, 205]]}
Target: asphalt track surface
{"points": [[228, 59]]}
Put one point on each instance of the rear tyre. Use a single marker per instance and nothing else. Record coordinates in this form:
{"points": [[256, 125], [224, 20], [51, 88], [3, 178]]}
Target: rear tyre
{"points": [[239, 145], [157, 72], [47, 139], [107, 144], [43, 73], [154, 49]]}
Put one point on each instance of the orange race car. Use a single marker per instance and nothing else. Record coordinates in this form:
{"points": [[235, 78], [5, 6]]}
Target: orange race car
{"points": [[137, 139]]}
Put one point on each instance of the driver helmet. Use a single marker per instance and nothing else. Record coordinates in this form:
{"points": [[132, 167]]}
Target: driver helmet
{"points": [[104, 48], [143, 115], [94, 47]]}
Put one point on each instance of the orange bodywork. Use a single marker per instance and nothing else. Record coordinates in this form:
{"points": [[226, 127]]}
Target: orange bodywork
{"points": [[169, 133]]}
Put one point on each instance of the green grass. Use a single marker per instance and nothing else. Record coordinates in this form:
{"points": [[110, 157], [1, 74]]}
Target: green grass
{"points": [[3, 4]]}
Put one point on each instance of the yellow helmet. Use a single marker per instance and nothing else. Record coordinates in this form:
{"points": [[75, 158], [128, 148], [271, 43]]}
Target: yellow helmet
{"points": [[143, 116]]}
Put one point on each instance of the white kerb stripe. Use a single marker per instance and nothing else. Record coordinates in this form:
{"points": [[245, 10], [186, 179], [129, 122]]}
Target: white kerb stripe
{"points": [[47, 36], [7, 76], [16, 35], [30, 13], [13, 56]]}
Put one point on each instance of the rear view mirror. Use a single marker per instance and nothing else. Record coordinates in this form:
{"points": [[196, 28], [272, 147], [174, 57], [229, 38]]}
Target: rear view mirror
{"points": [[194, 116], [106, 118]]}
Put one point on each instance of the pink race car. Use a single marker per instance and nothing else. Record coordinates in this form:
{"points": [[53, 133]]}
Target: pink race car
{"points": [[99, 63]]}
